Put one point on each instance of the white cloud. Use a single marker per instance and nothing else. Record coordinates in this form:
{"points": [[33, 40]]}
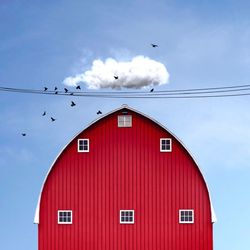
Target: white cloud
{"points": [[138, 73]]}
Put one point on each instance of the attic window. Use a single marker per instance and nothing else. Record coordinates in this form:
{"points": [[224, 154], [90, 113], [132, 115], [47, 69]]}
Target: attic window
{"points": [[83, 145], [186, 216], [64, 217], [124, 121], [127, 217], [165, 145]]}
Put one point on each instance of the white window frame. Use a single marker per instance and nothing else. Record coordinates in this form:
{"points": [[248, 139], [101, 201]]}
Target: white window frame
{"points": [[124, 121], [186, 210], [165, 150], [78, 146], [64, 222], [127, 222]]}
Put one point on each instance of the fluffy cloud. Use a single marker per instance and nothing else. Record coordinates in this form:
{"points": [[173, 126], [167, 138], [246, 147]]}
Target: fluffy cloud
{"points": [[138, 73]]}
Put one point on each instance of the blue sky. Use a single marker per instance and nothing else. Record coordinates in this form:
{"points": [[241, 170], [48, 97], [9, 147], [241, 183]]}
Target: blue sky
{"points": [[201, 43]]}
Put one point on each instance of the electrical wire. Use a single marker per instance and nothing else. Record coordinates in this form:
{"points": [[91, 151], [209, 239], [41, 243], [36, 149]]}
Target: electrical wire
{"points": [[224, 91]]}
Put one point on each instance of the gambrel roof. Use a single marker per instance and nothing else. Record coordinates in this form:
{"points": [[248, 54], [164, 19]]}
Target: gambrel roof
{"points": [[36, 219]]}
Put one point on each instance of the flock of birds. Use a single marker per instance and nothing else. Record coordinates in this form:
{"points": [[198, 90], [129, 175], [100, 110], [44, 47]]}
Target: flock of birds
{"points": [[72, 104], [78, 87]]}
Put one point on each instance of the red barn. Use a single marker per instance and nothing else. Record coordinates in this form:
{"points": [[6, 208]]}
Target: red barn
{"points": [[125, 182]]}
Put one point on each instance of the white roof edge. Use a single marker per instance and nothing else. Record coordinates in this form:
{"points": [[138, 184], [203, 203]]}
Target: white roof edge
{"points": [[214, 218], [37, 212]]}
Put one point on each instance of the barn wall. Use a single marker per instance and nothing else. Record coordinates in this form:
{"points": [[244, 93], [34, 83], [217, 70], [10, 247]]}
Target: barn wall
{"points": [[125, 170]]}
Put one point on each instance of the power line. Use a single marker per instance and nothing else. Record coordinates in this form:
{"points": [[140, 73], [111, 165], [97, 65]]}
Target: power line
{"points": [[224, 91], [161, 91]]}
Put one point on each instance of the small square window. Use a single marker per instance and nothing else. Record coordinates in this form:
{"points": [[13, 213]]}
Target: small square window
{"points": [[126, 216], [124, 121], [64, 217], [165, 145], [186, 216], [83, 145]]}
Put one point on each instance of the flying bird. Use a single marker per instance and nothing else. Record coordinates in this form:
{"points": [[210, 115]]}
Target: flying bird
{"points": [[116, 77], [23, 134], [55, 88], [78, 87], [99, 112], [66, 90], [45, 88], [44, 113], [72, 104], [52, 119], [151, 90], [56, 92], [154, 45]]}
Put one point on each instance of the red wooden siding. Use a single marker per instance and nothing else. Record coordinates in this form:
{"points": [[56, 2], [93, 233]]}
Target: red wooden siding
{"points": [[125, 169]]}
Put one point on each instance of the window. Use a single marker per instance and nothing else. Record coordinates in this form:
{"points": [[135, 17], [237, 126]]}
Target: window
{"points": [[124, 120], [64, 217], [165, 145], [186, 216], [83, 145], [126, 216]]}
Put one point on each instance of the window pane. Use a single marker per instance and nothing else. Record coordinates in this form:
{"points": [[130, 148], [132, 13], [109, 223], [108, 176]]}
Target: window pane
{"points": [[165, 144], [83, 145], [65, 217], [124, 121], [186, 216], [126, 216]]}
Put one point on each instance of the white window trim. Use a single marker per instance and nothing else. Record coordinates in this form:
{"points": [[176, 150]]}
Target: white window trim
{"points": [[62, 222], [127, 222], [186, 222], [165, 150], [78, 145], [124, 122]]}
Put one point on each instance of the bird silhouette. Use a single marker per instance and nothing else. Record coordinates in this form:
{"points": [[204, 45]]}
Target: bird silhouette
{"points": [[44, 113], [116, 77], [52, 119], [55, 88], [56, 92], [151, 90], [99, 112], [72, 104], [66, 90], [154, 45], [45, 88], [78, 87], [23, 134]]}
